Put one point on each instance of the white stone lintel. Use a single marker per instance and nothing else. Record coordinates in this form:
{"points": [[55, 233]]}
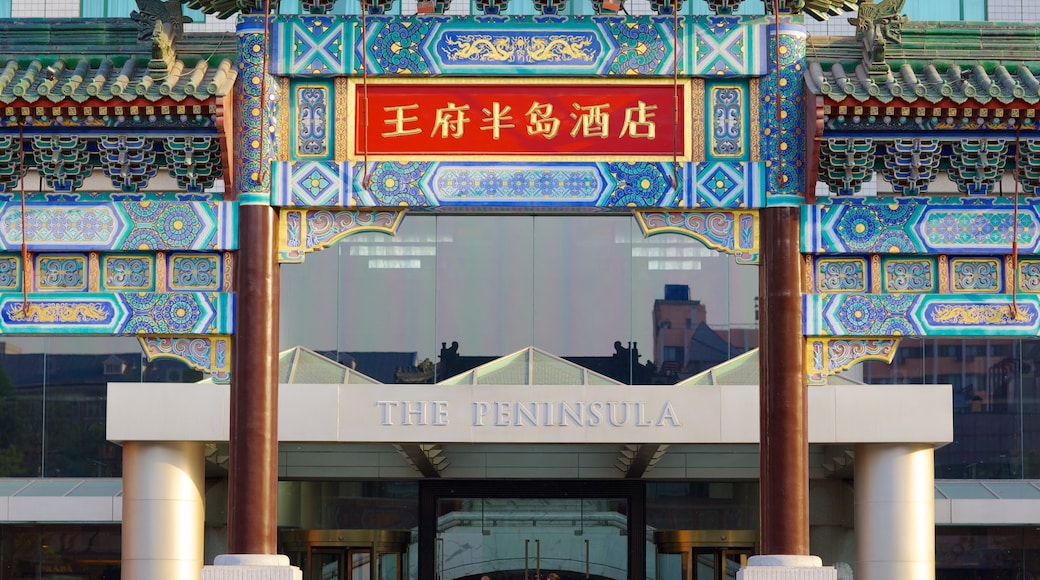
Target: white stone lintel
{"points": [[251, 567], [785, 567]]}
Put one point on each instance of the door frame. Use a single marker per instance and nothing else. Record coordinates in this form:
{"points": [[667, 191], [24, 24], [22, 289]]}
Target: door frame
{"points": [[633, 492]]}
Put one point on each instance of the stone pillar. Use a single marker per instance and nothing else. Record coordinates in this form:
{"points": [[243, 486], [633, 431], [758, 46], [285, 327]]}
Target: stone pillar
{"points": [[163, 510], [895, 511]]}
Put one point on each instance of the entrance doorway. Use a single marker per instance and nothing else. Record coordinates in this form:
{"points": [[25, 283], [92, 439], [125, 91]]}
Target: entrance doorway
{"points": [[703, 554], [532, 530], [348, 554]]}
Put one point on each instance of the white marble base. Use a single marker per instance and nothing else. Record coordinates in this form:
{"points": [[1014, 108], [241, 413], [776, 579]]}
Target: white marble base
{"points": [[781, 567], [251, 567]]}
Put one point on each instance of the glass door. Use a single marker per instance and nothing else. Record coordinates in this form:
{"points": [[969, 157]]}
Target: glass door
{"points": [[702, 554], [717, 563], [348, 554], [531, 538]]}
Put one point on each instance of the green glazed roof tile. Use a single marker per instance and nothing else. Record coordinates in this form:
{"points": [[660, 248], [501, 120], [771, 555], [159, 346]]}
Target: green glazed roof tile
{"points": [[978, 62], [79, 80]]}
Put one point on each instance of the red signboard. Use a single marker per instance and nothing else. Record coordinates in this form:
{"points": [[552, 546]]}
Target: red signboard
{"points": [[435, 119]]}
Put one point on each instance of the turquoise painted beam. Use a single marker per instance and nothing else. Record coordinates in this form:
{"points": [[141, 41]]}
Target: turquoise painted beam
{"points": [[119, 225], [111, 313], [427, 184], [709, 46], [938, 225], [923, 315]]}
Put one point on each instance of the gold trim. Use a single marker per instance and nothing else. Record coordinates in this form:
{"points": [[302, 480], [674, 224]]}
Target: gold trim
{"points": [[808, 283], [1010, 272], [283, 120], [687, 152], [94, 277], [753, 100], [229, 272], [699, 147], [160, 272], [943, 272], [342, 120], [875, 274]]}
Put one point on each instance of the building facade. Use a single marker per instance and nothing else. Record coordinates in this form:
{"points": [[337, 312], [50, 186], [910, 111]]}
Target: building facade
{"points": [[455, 283]]}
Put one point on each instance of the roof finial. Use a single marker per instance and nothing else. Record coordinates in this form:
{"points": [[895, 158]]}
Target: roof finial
{"points": [[876, 25], [170, 12]]}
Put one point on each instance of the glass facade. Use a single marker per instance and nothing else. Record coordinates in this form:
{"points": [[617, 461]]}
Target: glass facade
{"points": [[53, 402], [449, 293], [996, 401], [59, 552]]}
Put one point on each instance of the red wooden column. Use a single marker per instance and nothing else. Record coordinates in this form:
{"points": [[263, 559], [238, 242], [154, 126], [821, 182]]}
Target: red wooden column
{"points": [[784, 418], [783, 428], [253, 456]]}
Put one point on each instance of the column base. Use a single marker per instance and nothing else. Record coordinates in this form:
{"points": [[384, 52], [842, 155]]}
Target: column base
{"points": [[786, 568], [251, 567]]}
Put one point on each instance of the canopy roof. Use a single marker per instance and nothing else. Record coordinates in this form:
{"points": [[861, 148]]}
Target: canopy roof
{"points": [[529, 366], [744, 370]]}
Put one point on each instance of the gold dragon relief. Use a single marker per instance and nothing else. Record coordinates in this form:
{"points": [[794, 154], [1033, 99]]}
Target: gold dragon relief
{"points": [[57, 312], [977, 314], [520, 48]]}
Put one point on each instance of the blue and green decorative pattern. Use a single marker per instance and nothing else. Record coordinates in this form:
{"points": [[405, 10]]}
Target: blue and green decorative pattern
{"points": [[209, 354], [326, 46], [785, 157], [130, 226], [724, 184], [312, 103], [731, 232], [961, 225], [121, 313], [842, 275], [878, 315], [60, 272], [721, 184], [254, 145], [304, 231], [128, 272], [727, 119]]}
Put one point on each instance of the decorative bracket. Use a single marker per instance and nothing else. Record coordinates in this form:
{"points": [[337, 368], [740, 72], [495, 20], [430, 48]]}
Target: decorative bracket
{"points": [[731, 232], [302, 231], [209, 354], [829, 356]]}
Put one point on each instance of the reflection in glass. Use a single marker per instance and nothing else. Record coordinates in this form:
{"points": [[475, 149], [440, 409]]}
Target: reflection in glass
{"points": [[996, 401], [451, 293], [53, 393], [532, 538]]}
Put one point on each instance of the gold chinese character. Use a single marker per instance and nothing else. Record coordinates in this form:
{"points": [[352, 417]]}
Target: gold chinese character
{"points": [[542, 121], [496, 116], [638, 123], [399, 120], [591, 121], [451, 121]]}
